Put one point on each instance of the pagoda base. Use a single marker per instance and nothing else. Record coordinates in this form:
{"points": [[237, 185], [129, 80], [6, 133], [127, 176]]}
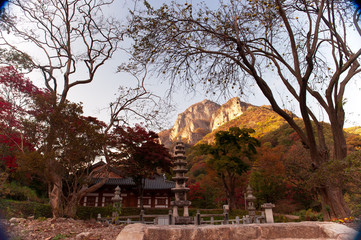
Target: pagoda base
{"points": [[183, 220]]}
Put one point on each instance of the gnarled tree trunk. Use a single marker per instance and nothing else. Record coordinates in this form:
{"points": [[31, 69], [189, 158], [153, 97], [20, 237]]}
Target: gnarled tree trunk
{"points": [[55, 195], [71, 205], [333, 203]]}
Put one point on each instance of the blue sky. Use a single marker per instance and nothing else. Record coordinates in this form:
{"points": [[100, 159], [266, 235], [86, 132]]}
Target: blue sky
{"points": [[97, 95]]}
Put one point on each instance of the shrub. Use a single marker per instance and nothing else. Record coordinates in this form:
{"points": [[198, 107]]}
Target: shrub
{"points": [[309, 215], [20, 192], [92, 212], [4, 189], [11, 208]]}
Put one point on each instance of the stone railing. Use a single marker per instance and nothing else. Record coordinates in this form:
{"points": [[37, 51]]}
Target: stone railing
{"points": [[302, 230]]}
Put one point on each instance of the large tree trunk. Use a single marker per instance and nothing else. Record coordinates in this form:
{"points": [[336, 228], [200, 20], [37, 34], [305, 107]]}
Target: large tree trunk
{"points": [[332, 199], [229, 189], [333, 203], [71, 207], [232, 201], [55, 196]]}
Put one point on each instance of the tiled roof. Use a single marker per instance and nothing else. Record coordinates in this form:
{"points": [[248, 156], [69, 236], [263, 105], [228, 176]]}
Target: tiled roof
{"points": [[158, 182]]}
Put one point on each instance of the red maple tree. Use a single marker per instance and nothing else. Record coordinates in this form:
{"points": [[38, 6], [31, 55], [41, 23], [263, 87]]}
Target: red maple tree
{"points": [[16, 95], [140, 154]]}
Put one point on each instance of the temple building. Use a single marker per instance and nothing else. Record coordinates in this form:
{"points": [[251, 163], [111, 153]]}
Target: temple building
{"points": [[157, 191]]}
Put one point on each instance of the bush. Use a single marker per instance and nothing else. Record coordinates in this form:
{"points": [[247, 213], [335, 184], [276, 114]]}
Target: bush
{"points": [[4, 189], [309, 215], [20, 192], [11, 208], [353, 200], [85, 213]]}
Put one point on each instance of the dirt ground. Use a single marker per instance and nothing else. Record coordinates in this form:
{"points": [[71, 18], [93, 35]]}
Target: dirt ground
{"points": [[61, 228]]}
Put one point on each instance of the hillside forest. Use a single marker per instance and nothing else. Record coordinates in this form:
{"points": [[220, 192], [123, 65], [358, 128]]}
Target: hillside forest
{"points": [[280, 170]]}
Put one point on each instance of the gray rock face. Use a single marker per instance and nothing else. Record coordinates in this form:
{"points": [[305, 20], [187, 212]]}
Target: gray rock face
{"points": [[192, 125], [197, 117], [200, 119], [303, 230], [227, 112]]}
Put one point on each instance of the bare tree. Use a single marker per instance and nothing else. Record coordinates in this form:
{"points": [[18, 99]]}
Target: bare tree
{"points": [[300, 45], [68, 41]]}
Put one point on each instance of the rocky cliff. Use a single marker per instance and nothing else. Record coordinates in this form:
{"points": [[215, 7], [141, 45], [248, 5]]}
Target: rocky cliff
{"points": [[192, 124], [227, 112], [200, 119]]}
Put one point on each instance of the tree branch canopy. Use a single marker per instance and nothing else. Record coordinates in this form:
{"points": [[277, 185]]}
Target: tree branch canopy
{"points": [[301, 47], [68, 36]]}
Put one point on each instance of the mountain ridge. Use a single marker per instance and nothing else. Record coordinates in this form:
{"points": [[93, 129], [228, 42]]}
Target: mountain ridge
{"points": [[200, 122], [202, 118]]}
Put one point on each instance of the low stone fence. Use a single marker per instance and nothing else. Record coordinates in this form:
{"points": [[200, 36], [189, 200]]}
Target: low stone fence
{"points": [[199, 219], [170, 220], [224, 219], [141, 218], [302, 230]]}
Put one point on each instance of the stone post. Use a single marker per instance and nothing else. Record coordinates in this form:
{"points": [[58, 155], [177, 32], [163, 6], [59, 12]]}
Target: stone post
{"points": [[185, 211], [141, 216], [175, 211], [268, 212], [225, 214], [198, 218], [170, 217]]}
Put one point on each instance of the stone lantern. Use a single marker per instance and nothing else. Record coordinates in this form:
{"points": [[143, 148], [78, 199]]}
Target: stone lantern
{"points": [[251, 200], [117, 203]]}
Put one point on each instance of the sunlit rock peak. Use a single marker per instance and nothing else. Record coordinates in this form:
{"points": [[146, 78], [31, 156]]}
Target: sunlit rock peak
{"points": [[227, 112], [200, 119]]}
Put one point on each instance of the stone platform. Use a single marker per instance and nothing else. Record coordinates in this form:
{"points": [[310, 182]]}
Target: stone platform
{"points": [[284, 231]]}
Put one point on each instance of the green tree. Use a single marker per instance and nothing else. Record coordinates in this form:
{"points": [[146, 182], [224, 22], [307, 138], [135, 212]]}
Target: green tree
{"points": [[230, 156], [300, 46]]}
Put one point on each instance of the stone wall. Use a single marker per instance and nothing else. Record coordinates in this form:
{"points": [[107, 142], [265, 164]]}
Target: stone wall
{"points": [[303, 230]]}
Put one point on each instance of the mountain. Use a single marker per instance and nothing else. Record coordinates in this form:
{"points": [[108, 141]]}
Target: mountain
{"points": [[201, 121], [202, 118], [262, 119], [192, 124]]}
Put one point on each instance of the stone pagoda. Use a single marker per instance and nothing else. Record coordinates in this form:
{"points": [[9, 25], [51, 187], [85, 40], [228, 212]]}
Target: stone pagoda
{"points": [[180, 190]]}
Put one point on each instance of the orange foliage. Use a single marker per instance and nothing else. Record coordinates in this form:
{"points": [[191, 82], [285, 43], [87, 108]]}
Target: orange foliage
{"points": [[270, 161]]}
